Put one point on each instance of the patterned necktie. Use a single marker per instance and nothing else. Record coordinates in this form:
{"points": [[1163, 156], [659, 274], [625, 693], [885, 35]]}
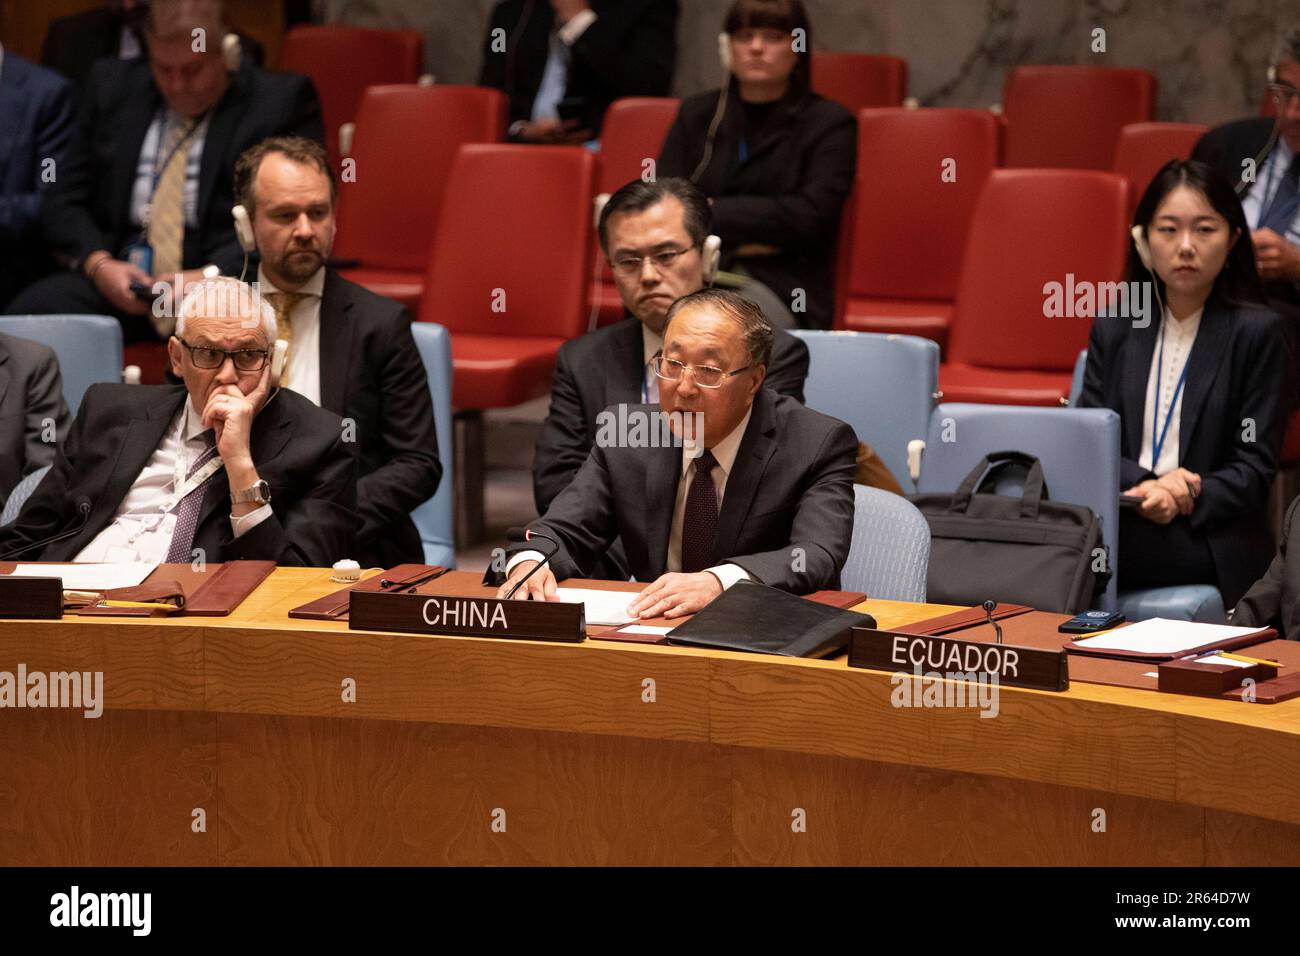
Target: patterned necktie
{"points": [[187, 514], [284, 303], [167, 205], [1281, 211], [700, 523]]}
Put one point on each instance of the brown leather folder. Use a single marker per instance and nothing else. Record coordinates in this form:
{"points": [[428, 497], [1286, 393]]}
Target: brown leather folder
{"points": [[334, 606], [225, 590], [213, 592], [1223, 644], [961, 620]]}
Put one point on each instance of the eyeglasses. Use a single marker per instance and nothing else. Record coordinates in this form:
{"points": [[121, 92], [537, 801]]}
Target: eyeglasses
{"points": [[631, 265], [706, 376], [246, 360], [1283, 94]]}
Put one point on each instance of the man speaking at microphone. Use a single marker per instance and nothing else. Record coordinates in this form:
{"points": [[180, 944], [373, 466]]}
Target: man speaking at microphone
{"points": [[769, 498], [225, 467]]}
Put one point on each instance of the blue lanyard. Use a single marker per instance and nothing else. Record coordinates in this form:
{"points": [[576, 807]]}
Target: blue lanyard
{"points": [[162, 135], [1159, 443], [744, 150]]}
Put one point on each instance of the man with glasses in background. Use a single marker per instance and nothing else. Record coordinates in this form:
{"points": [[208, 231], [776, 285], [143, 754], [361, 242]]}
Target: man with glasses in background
{"points": [[765, 493], [226, 466]]}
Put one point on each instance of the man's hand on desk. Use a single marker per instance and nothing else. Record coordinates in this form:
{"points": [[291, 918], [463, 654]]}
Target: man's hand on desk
{"points": [[540, 587], [674, 594]]}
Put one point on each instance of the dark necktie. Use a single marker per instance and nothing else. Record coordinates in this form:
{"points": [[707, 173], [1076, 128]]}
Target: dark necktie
{"points": [[1281, 211], [187, 515], [700, 523]]}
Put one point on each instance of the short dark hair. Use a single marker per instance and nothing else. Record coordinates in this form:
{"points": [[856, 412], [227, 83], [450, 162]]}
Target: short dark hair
{"points": [[1238, 282], [1287, 48], [295, 148], [784, 15], [754, 327], [639, 195]]}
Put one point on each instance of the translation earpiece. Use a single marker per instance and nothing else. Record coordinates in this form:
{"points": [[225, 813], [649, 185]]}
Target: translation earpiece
{"points": [[244, 229], [277, 361], [232, 51], [1143, 250], [724, 51], [711, 254]]}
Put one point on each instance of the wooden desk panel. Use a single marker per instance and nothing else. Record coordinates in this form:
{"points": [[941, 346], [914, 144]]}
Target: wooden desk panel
{"points": [[242, 716]]}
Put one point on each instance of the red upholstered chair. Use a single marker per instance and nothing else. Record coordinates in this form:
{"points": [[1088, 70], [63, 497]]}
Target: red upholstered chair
{"points": [[633, 132], [150, 358], [859, 80], [1144, 148], [1031, 227], [909, 225], [1069, 117], [406, 139], [508, 268], [343, 61]]}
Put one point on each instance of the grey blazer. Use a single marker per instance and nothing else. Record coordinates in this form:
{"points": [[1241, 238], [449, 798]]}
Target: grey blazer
{"points": [[786, 518], [31, 392]]}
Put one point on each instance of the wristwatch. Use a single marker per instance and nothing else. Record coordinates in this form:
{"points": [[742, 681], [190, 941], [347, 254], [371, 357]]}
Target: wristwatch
{"points": [[260, 494]]}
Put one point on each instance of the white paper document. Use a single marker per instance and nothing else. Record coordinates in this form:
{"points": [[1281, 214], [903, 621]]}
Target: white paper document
{"points": [[1220, 659], [645, 629], [1161, 636], [603, 607], [89, 577]]}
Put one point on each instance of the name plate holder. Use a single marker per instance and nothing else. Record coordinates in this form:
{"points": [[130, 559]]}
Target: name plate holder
{"points": [[31, 599], [1012, 664], [462, 616]]}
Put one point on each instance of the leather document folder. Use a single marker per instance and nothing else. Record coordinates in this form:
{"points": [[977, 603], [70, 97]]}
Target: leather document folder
{"points": [[334, 606], [765, 620]]}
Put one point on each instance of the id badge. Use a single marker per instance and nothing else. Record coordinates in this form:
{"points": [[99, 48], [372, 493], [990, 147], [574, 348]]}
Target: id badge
{"points": [[140, 255]]}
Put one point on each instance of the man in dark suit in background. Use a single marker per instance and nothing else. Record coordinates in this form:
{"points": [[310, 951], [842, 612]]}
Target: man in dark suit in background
{"points": [[151, 166], [33, 415], [351, 351], [36, 123], [583, 53], [1274, 600], [116, 29], [768, 496], [223, 467]]}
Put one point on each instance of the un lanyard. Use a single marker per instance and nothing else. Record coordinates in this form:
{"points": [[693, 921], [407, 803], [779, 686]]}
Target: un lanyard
{"points": [[1155, 411]]}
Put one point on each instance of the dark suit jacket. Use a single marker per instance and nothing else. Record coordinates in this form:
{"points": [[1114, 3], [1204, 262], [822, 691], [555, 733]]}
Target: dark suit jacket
{"points": [[628, 51], [31, 391], [790, 490], [788, 193], [604, 368], [1272, 601], [36, 120], [90, 207], [298, 449], [1234, 374], [73, 43], [371, 373]]}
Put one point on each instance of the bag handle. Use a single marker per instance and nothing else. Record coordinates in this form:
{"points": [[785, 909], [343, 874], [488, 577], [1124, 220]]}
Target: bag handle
{"points": [[1034, 489]]}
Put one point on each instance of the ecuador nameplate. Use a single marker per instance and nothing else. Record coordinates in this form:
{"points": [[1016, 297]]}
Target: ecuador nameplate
{"points": [[928, 654], [457, 614]]}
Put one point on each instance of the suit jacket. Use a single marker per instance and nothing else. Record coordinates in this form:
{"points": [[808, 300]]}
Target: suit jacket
{"points": [[1272, 600], [371, 373], [90, 207], [628, 51], [31, 391], [36, 121], [1233, 380], [786, 517], [604, 368], [73, 43], [789, 192], [298, 449]]}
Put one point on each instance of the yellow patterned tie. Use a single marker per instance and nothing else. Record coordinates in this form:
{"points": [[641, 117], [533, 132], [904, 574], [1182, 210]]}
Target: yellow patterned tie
{"points": [[167, 206], [283, 303]]}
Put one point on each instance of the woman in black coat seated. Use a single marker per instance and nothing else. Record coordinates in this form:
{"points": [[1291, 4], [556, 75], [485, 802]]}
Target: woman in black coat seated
{"points": [[1197, 384], [775, 159]]}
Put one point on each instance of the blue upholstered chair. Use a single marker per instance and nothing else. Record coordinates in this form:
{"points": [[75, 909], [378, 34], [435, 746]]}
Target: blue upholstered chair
{"points": [[882, 385], [1078, 449], [89, 348], [1076, 380], [890, 554], [434, 518]]}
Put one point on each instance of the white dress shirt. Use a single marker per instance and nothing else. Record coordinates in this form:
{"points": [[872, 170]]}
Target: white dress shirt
{"points": [[141, 529], [302, 370], [724, 452], [1178, 338]]}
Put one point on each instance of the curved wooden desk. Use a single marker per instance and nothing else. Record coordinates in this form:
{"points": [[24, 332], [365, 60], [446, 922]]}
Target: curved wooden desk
{"points": [[239, 723]]}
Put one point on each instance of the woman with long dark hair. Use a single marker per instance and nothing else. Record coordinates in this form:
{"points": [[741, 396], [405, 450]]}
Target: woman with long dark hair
{"points": [[1197, 383], [775, 159]]}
